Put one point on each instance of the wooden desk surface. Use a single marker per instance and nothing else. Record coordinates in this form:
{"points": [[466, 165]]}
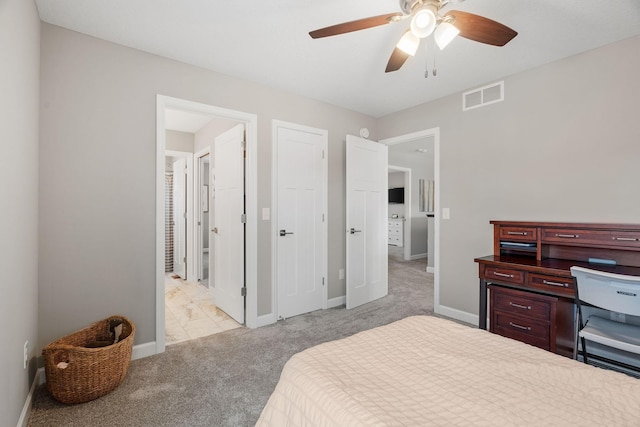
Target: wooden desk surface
{"points": [[555, 266]]}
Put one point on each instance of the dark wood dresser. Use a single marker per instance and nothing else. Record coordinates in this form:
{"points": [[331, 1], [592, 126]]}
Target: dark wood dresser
{"points": [[530, 286]]}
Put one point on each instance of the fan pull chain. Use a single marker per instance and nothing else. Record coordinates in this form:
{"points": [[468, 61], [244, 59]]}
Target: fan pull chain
{"points": [[434, 71], [426, 60]]}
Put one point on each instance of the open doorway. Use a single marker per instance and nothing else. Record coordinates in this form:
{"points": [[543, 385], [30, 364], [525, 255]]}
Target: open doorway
{"points": [[191, 310], [203, 248], [414, 159], [207, 123]]}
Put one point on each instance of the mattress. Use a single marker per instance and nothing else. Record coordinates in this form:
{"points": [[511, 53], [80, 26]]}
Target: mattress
{"points": [[423, 371]]}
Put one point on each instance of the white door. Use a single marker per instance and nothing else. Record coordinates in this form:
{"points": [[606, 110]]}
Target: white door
{"points": [[300, 180], [180, 217], [366, 176], [228, 227]]}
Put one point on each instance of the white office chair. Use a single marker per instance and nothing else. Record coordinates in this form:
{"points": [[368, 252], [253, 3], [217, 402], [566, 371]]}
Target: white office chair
{"points": [[613, 292]]}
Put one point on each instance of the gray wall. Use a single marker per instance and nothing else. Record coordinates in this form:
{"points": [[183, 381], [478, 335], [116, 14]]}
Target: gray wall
{"points": [[563, 146], [180, 141], [98, 232], [19, 84]]}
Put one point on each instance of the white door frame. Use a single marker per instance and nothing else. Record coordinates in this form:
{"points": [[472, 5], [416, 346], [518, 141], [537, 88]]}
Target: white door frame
{"points": [[275, 125], [435, 133], [406, 236], [189, 267], [197, 203], [251, 183]]}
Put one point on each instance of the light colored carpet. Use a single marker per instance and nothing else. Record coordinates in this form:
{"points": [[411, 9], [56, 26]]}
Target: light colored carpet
{"points": [[226, 379]]}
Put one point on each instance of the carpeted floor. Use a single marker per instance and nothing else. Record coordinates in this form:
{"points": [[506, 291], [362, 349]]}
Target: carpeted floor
{"points": [[226, 379]]}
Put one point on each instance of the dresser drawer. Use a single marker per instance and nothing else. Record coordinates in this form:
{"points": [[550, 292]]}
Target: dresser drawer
{"points": [[518, 233], [530, 331], [504, 275], [554, 284], [521, 303], [608, 238]]}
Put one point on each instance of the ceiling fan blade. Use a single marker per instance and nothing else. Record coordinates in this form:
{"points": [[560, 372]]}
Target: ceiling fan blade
{"points": [[481, 29], [397, 60], [359, 24]]}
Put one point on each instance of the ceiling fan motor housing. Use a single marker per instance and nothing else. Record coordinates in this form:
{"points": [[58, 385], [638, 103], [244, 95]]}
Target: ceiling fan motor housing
{"points": [[409, 6]]}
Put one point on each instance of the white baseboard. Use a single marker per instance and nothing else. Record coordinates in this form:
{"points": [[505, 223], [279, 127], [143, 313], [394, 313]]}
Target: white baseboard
{"points": [[457, 314], [418, 256], [431, 270], [336, 302], [38, 379], [143, 350]]}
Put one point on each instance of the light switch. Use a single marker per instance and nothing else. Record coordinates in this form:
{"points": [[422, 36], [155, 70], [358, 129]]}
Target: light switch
{"points": [[445, 213], [265, 214]]}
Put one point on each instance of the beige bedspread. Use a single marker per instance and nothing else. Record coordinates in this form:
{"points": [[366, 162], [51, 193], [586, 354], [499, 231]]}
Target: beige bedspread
{"points": [[428, 371]]}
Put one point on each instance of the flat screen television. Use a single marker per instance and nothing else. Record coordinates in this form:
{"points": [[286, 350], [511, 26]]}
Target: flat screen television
{"points": [[396, 195]]}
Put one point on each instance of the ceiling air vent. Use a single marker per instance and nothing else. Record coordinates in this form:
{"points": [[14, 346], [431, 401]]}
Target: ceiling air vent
{"points": [[482, 96]]}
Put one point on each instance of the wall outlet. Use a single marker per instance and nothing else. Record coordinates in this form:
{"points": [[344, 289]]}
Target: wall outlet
{"points": [[446, 213], [618, 317], [341, 274], [26, 354]]}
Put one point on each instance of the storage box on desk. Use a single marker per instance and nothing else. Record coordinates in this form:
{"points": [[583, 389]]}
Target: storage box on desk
{"points": [[79, 370]]}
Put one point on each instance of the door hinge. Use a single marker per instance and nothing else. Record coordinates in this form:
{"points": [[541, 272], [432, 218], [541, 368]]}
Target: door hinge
{"points": [[323, 154], [244, 145], [323, 281], [184, 260], [184, 215], [322, 217], [243, 218], [243, 291]]}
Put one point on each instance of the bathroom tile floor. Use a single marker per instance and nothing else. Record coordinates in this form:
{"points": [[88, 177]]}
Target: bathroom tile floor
{"points": [[191, 313]]}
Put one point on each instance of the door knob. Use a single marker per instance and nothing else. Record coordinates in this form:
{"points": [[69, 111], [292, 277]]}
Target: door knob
{"points": [[214, 230], [354, 231], [285, 232]]}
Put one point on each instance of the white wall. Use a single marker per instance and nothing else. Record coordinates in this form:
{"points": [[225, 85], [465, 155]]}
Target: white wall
{"points": [[563, 146], [101, 103], [19, 86]]}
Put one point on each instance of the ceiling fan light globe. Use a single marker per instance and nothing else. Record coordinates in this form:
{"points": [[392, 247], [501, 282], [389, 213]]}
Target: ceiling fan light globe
{"points": [[423, 23], [444, 34], [409, 43]]}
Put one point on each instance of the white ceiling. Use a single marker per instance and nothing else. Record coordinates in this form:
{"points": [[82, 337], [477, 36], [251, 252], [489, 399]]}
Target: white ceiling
{"points": [[185, 121], [266, 41]]}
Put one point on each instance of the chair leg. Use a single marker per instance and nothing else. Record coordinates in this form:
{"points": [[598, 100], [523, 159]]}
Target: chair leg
{"points": [[584, 350]]}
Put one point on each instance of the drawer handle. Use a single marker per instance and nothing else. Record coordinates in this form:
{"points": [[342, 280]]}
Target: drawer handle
{"points": [[495, 273], [562, 285], [524, 328], [517, 233], [525, 307], [626, 239], [568, 236]]}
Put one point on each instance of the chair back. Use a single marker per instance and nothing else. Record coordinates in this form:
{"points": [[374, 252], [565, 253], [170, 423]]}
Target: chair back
{"points": [[610, 291]]}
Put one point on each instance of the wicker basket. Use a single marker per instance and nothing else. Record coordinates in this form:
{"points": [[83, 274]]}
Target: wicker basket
{"points": [[89, 372]]}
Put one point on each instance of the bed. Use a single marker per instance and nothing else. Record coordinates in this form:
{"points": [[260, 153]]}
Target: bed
{"points": [[425, 370]]}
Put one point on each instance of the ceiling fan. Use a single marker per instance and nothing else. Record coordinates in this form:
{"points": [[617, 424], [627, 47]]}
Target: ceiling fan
{"points": [[425, 19]]}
